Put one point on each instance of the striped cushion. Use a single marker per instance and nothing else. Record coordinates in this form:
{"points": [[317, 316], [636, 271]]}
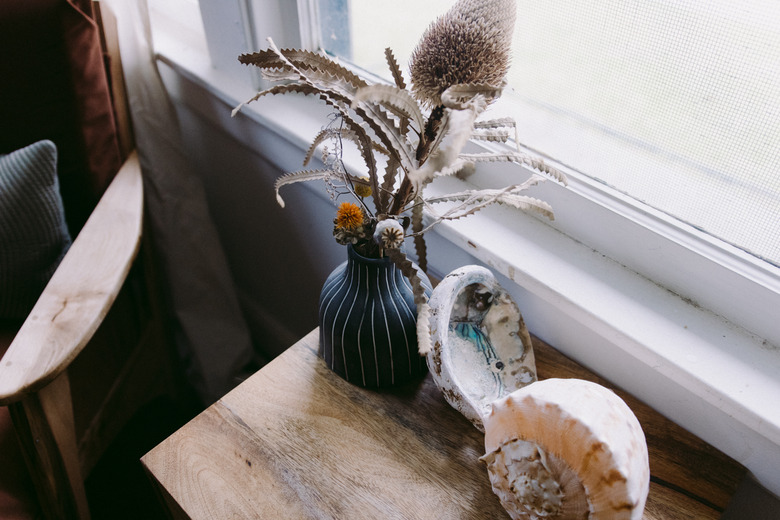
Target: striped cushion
{"points": [[33, 233]]}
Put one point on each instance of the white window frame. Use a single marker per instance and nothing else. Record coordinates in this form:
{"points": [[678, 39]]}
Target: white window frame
{"points": [[683, 321], [650, 242]]}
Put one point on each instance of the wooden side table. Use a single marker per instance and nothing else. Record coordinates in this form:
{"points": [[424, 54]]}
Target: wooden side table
{"points": [[296, 441]]}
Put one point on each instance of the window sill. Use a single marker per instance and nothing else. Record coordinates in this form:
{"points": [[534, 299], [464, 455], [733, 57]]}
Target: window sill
{"points": [[696, 368]]}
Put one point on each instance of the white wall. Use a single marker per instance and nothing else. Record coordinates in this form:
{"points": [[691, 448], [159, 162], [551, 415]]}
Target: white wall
{"points": [[279, 258]]}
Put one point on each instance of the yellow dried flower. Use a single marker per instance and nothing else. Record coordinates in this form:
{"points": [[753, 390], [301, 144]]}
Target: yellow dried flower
{"points": [[348, 216], [470, 43], [362, 190]]}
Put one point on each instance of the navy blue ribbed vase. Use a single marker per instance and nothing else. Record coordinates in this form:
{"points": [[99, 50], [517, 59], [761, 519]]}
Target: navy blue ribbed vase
{"points": [[368, 321]]}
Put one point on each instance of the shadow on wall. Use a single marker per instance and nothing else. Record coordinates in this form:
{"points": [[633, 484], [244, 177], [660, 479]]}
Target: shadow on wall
{"points": [[752, 502], [278, 257]]}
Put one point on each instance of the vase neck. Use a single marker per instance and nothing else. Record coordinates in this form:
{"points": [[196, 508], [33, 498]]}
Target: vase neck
{"points": [[354, 256]]}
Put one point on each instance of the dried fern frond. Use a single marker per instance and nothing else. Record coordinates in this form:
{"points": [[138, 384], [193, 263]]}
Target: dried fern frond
{"points": [[470, 43]]}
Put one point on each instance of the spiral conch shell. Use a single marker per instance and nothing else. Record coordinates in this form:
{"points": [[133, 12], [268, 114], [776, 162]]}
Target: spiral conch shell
{"points": [[566, 449]]}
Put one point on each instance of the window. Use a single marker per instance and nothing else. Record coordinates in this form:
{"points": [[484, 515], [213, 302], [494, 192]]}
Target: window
{"points": [[703, 270], [666, 112], [573, 126], [674, 103]]}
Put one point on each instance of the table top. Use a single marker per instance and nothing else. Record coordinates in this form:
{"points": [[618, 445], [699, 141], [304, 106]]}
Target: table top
{"points": [[296, 441]]}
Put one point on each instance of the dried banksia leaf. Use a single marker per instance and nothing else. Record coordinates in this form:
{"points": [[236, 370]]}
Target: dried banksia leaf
{"points": [[322, 136], [424, 344], [391, 169], [495, 130], [490, 134], [395, 100], [519, 158], [455, 133], [475, 200], [469, 44], [341, 134], [301, 176], [419, 240], [278, 89], [459, 96], [302, 59], [496, 123], [420, 298], [395, 70], [410, 271]]}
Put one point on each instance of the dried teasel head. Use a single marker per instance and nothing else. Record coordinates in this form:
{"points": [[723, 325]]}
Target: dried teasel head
{"points": [[470, 43]]}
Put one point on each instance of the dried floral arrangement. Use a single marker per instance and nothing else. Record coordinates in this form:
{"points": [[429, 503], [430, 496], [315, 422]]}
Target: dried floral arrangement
{"points": [[407, 137]]}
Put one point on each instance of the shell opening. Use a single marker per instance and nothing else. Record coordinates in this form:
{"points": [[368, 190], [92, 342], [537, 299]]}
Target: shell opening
{"points": [[533, 484], [521, 469]]}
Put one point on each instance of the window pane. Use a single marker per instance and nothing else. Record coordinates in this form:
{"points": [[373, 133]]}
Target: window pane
{"points": [[675, 102]]}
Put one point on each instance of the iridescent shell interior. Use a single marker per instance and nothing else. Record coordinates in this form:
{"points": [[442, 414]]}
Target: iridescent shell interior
{"points": [[481, 347]]}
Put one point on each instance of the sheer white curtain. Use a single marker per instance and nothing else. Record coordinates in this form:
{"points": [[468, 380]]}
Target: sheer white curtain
{"points": [[211, 332]]}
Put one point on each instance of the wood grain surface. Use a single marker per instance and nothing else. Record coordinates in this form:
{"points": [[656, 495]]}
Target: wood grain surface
{"points": [[680, 462], [296, 441]]}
